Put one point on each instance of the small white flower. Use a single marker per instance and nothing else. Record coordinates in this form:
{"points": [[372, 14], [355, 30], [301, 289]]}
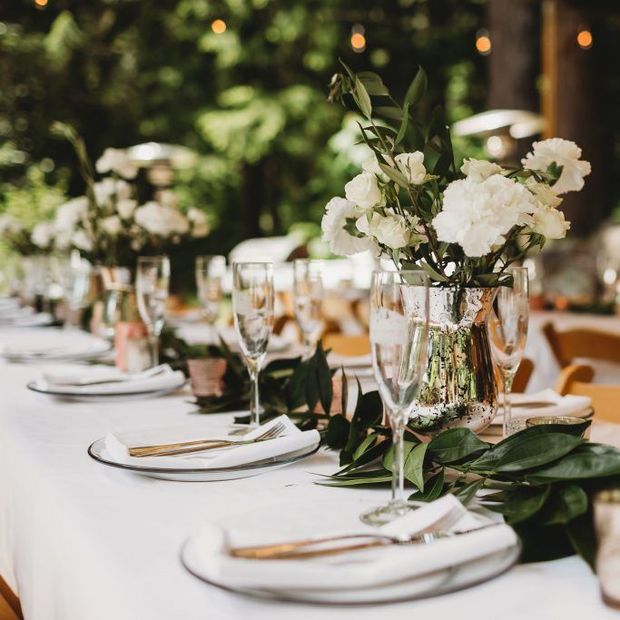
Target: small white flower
{"points": [[112, 225], [9, 225], [391, 231], [363, 190], [116, 160], [70, 214], [371, 165], [340, 242], [479, 169], [159, 220], [199, 222], [412, 166], [82, 241], [563, 153], [43, 235], [545, 196], [126, 207], [550, 223]]}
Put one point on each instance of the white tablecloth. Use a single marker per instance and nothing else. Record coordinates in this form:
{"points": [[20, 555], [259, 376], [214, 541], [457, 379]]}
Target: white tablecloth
{"points": [[79, 541]]}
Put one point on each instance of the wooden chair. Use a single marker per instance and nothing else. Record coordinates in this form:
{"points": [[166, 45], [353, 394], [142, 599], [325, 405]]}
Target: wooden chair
{"points": [[522, 378], [10, 608], [590, 343], [347, 345], [577, 379]]}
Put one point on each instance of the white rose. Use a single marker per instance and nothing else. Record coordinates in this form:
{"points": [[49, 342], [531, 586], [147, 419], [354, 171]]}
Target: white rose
{"points": [[116, 160], [70, 214], [477, 216], [42, 235], [391, 231], [550, 223], [160, 220], [412, 166], [479, 170], [82, 241], [564, 153], [199, 222], [545, 196], [126, 207], [371, 166], [340, 242], [112, 225], [363, 190], [109, 189]]}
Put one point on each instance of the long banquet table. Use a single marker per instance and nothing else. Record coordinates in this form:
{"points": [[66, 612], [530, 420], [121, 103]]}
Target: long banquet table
{"points": [[79, 541]]}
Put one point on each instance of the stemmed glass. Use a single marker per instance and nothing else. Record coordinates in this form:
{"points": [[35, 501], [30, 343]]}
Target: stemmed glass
{"points": [[210, 272], [399, 307], [152, 284], [253, 297], [308, 300], [507, 328]]}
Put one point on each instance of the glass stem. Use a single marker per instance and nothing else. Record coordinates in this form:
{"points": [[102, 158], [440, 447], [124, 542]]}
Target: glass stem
{"points": [[308, 345], [398, 467], [508, 377], [254, 370], [154, 348]]}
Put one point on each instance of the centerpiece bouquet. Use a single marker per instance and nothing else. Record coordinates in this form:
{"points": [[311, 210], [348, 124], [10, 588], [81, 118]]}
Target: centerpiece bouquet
{"points": [[463, 226]]}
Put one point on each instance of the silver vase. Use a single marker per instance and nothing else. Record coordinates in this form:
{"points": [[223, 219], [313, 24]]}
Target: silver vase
{"points": [[459, 387]]}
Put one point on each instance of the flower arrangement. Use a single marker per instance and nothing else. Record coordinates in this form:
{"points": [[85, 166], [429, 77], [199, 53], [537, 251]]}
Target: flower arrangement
{"points": [[107, 225], [412, 204]]}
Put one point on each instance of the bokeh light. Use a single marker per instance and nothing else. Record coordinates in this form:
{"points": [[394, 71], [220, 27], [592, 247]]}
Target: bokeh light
{"points": [[584, 38], [40, 4], [217, 25], [483, 42], [358, 42]]}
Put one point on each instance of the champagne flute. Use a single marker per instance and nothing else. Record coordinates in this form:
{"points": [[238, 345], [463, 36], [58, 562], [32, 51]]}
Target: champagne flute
{"points": [[210, 271], [308, 300], [507, 328], [253, 297], [152, 284], [399, 302]]}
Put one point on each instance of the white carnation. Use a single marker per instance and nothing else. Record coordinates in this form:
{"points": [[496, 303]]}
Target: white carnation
{"points": [[199, 222], [479, 169], [116, 160], [112, 225], [563, 153], [412, 166], [70, 214], [363, 190], [82, 241], [108, 190], [159, 220], [126, 207], [43, 235], [545, 196], [477, 216], [550, 223], [340, 242]]}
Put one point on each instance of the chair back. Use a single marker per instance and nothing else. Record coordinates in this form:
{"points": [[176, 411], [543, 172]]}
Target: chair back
{"points": [[590, 343], [347, 345]]}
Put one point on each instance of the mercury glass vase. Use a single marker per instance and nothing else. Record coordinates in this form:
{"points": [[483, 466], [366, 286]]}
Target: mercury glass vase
{"points": [[459, 387]]}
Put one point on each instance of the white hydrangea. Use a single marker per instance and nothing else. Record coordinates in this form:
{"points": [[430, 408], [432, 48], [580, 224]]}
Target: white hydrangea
{"points": [[564, 153], [116, 160], [199, 222], [477, 216], [479, 169], [160, 220], [340, 242], [363, 190], [412, 166], [550, 223], [43, 235]]}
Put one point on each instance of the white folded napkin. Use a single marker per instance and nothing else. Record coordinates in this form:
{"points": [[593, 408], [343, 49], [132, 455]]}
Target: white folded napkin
{"points": [[291, 440], [42, 344], [569, 405], [372, 568], [131, 384]]}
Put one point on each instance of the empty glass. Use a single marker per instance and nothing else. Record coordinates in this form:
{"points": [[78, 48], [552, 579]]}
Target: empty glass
{"points": [[253, 298], [152, 285], [507, 328], [308, 300], [210, 272], [399, 306]]}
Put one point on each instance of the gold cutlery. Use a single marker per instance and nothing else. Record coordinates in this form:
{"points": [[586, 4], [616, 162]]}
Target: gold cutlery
{"points": [[534, 404], [297, 549], [199, 445]]}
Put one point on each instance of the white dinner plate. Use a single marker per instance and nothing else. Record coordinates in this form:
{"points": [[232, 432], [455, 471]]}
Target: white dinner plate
{"points": [[101, 397], [436, 583], [206, 474]]}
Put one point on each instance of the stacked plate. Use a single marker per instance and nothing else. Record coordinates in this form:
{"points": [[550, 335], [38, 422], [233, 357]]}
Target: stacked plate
{"points": [[13, 315]]}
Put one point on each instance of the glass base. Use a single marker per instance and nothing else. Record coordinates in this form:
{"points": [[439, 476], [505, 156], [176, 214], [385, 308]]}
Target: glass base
{"points": [[388, 513]]}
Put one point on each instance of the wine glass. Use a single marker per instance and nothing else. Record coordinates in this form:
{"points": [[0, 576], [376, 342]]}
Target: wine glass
{"points": [[308, 300], [399, 306], [253, 297], [210, 272], [152, 284], [507, 327]]}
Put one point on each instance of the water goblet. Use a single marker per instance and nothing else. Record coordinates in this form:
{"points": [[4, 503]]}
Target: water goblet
{"points": [[253, 299], [210, 272], [507, 329], [152, 285], [399, 302], [308, 301]]}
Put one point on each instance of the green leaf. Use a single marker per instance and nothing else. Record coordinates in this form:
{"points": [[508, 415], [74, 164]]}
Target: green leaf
{"points": [[391, 112], [324, 378], [434, 487], [455, 444], [582, 537], [414, 466], [394, 175], [565, 504], [373, 83], [388, 459], [523, 502], [362, 98], [535, 451], [433, 273], [378, 477], [402, 131], [467, 492], [337, 432], [369, 442], [416, 89]]}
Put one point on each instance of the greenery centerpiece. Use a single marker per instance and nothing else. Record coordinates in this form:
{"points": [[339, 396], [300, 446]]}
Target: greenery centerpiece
{"points": [[463, 226]]}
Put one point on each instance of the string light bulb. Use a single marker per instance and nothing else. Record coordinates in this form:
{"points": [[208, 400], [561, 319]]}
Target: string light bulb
{"points": [[40, 4], [584, 38], [358, 38], [483, 42], [218, 26]]}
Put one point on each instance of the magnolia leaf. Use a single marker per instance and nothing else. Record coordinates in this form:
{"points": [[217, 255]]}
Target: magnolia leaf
{"points": [[369, 442], [394, 175], [391, 112], [362, 98], [523, 502], [582, 536], [373, 83], [337, 432], [433, 488], [402, 131], [455, 444], [433, 273], [324, 378], [416, 89], [467, 492], [535, 451], [414, 466], [388, 459], [565, 504], [378, 477]]}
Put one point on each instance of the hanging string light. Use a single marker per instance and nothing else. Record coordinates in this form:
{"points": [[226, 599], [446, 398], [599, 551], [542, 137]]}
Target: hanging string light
{"points": [[218, 26], [483, 42], [40, 4], [358, 38], [584, 37]]}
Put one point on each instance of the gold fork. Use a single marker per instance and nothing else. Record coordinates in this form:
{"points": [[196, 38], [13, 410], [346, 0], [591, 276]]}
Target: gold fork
{"points": [[199, 445], [296, 549]]}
